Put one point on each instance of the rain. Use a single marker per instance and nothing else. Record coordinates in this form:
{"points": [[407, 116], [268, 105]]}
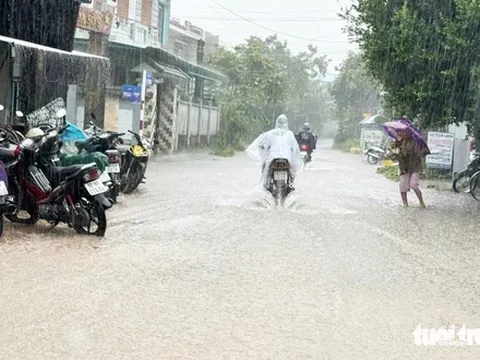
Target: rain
{"points": [[266, 170]]}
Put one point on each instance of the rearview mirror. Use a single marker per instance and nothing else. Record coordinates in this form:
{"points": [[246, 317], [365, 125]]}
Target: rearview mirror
{"points": [[61, 113], [92, 115], [19, 113], [1, 107]]}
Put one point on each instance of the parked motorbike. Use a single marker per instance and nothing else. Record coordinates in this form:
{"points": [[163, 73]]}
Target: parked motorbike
{"points": [[105, 142], [50, 150], [461, 182], [374, 153], [304, 149], [6, 200], [72, 195], [279, 179], [134, 160]]}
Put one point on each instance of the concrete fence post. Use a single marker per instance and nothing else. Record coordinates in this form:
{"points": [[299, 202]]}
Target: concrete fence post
{"points": [[189, 118], [209, 123]]}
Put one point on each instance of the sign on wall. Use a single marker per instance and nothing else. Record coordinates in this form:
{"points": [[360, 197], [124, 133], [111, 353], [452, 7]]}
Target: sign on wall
{"points": [[441, 147], [94, 20], [132, 93]]}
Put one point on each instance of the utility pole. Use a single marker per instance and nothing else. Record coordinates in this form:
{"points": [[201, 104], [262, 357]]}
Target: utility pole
{"points": [[142, 97]]}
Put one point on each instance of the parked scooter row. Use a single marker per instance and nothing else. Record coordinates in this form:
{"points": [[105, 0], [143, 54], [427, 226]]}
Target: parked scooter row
{"points": [[39, 180], [468, 180]]}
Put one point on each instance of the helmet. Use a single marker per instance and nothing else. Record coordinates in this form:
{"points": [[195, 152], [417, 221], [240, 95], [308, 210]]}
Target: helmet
{"points": [[34, 133], [306, 126]]}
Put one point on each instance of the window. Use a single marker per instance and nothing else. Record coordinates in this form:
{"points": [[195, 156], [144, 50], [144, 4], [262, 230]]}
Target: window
{"points": [[179, 49], [141, 36]]}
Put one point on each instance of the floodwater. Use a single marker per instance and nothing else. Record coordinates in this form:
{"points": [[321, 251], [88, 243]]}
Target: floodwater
{"points": [[199, 265]]}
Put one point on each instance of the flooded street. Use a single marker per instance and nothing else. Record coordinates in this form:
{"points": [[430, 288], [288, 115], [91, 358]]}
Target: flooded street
{"points": [[196, 266]]}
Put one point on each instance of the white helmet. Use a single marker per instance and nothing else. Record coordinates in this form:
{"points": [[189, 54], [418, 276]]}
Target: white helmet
{"points": [[34, 133]]}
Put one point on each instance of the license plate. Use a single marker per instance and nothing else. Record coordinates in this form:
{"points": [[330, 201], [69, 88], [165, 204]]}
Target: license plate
{"points": [[96, 187], [3, 188], [303, 153], [113, 168], [280, 175], [104, 177]]}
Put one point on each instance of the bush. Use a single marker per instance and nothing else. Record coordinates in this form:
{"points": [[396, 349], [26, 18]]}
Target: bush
{"points": [[346, 145], [390, 172], [223, 152], [436, 174]]}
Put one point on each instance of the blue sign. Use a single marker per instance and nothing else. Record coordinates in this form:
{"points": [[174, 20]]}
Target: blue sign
{"points": [[132, 93], [149, 79]]}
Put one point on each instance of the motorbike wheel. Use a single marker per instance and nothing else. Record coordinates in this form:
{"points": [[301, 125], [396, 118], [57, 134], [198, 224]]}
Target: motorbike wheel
{"points": [[134, 179], [475, 186], [97, 212], [461, 183], [114, 193], [372, 160]]}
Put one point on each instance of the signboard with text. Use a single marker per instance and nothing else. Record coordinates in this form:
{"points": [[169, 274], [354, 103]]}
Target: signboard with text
{"points": [[95, 20], [132, 93], [441, 146]]}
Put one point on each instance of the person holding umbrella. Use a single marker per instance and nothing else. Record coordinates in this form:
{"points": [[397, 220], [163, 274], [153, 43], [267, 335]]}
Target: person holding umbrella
{"points": [[409, 150]]}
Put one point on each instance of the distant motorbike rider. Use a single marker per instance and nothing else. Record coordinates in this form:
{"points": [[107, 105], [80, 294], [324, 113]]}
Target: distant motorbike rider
{"points": [[306, 137], [274, 144]]}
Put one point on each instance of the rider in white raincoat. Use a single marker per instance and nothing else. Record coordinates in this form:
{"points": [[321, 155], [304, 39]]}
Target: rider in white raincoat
{"points": [[277, 143]]}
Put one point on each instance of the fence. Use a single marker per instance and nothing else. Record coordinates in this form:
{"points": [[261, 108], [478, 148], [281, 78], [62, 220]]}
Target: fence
{"points": [[197, 124]]}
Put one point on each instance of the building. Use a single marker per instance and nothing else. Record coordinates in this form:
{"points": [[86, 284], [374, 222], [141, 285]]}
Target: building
{"points": [[194, 45], [138, 41], [186, 40], [37, 67]]}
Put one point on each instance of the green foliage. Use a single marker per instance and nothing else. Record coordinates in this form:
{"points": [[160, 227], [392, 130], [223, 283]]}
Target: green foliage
{"points": [[354, 93], [265, 80], [390, 172], [425, 54], [223, 152], [346, 145]]}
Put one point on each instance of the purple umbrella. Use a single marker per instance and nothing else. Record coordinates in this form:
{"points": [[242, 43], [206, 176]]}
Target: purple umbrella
{"points": [[394, 128]]}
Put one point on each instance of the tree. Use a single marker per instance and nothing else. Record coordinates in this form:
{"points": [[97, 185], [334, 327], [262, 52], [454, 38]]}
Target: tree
{"points": [[425, 54], [264, 81], [354, 93]]}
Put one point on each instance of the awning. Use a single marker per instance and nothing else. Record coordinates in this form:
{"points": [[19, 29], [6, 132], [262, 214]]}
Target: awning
{"points": [[202, 76], [163, 56], [27, 44], [154, 67], [372, 120]]}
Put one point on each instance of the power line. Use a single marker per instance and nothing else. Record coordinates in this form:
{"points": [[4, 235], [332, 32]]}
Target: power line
{"points": [[265, 20], [276, 31], [278, 13]]}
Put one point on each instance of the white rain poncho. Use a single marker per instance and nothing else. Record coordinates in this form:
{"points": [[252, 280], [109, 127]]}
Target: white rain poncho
{"points": [[277, 143]]}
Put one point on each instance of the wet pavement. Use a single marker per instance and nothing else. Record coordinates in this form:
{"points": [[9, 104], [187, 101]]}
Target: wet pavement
{"points": [[198, 265]]}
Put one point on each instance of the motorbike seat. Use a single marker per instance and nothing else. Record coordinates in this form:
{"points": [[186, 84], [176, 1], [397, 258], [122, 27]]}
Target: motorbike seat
{"points": [[122, 149], [376, 148], [7, 153], [279, 164], [81, 144], [58, 174]]}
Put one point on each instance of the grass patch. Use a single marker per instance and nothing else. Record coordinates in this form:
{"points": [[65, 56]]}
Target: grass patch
{"points": [[223, 152]]}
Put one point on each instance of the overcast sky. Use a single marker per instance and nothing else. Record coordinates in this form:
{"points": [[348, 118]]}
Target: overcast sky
{"points": [[302, 22]]}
